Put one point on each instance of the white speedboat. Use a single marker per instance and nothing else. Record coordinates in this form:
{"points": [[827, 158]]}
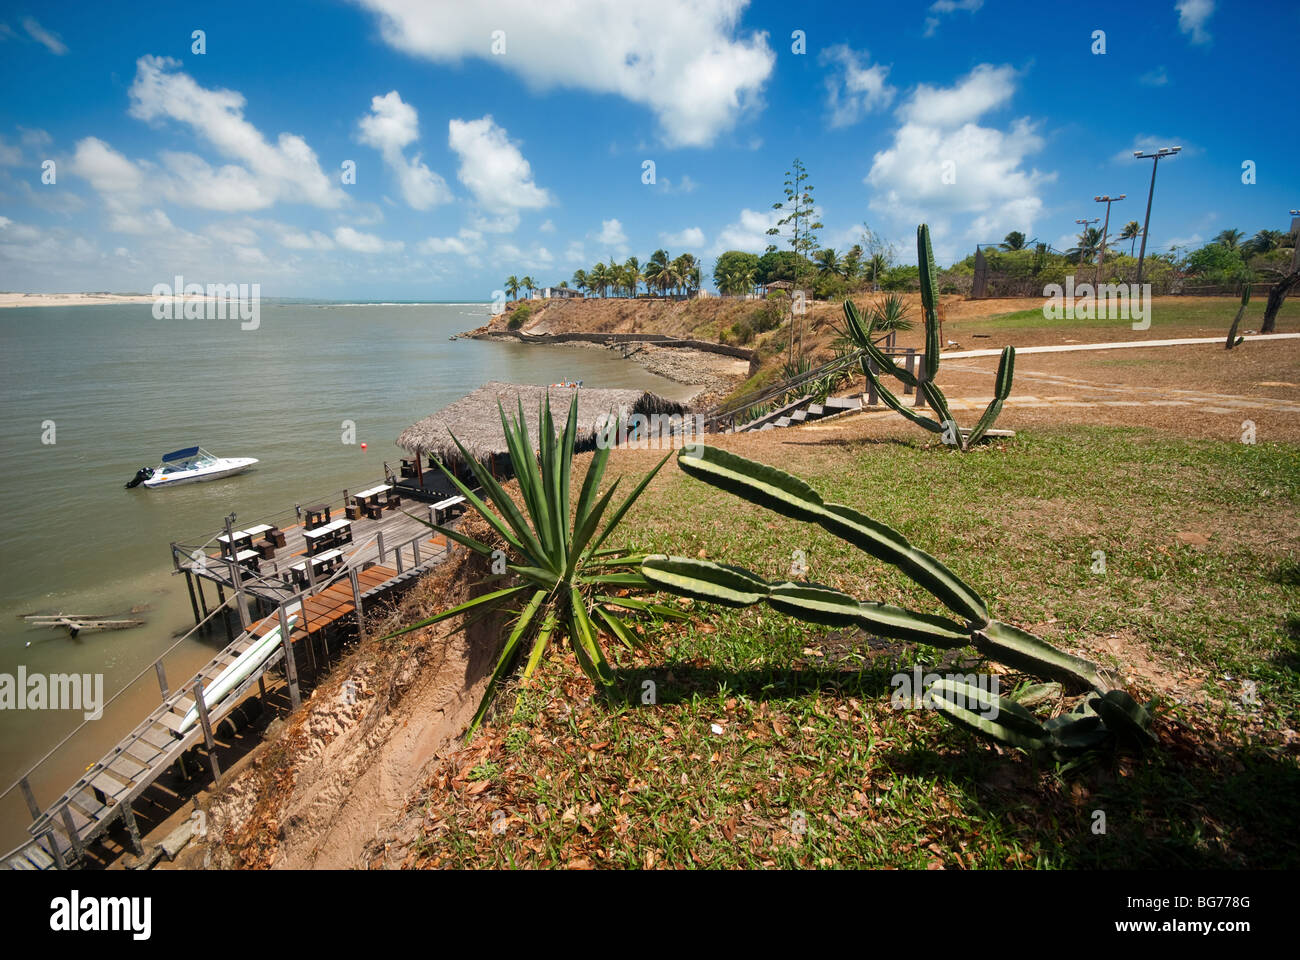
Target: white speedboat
{"points": [[189, 465]]}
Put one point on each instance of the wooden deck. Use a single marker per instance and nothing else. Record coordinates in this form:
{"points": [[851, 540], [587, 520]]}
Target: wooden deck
{"points": [[385, 555]]}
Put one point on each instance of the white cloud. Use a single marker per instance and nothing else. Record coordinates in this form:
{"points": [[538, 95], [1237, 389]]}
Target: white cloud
{"points": [[749, 233], [108, 171], [390, 127], [979, 91], [684, 185], [299, 240], [692, 237], [945, 7], [11, 155], [464, 244], [539, 259], [230, 187], [1157, 77], [44, 37], [1192, 15], [359, 242], [495, 172], [546, 227], [611, 233], [683, 59], [852, 89], [286, 170], [942, 164], [574, 252]]}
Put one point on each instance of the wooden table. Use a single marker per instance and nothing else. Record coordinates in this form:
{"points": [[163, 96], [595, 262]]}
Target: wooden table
{"points": [[316, 515]]}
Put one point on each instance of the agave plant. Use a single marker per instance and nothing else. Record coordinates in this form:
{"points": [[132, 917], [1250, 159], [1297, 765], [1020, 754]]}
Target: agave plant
{"points": [[860, 335], [1107, 711], [572, 588]]}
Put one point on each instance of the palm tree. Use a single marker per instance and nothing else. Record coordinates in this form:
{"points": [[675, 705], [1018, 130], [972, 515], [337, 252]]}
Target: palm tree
{"points": [[657, 271], [878, 264], [529, 284], [682, 269], [737, 283], [1089, 242], [1229, 238], [632, 271], [580, 279], [1265, 241], [851, 265], [828, 263], [1015, 240], [512, 286], [1132, 230]]}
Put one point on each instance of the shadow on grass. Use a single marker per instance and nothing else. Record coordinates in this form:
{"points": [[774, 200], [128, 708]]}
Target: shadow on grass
{"points": [[1186, 803]]}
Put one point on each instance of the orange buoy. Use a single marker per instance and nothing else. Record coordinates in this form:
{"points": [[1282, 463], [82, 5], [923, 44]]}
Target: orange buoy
{"points": [[363, 446]]}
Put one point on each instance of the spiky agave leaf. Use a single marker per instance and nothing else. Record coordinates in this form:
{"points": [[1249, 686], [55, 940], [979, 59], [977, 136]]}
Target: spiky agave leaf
{"points": [[552, 553]]}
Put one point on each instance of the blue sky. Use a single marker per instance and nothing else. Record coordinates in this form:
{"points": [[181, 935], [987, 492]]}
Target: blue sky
{"points": [[227, 166]]}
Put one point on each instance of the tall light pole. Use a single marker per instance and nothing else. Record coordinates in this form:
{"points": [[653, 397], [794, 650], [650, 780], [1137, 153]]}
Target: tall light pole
{"points": [[1146, 224], [1101, 258], [1083, 235]]}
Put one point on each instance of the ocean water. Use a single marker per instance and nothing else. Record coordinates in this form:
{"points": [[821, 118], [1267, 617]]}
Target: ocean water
{"points": [[116, 388]]}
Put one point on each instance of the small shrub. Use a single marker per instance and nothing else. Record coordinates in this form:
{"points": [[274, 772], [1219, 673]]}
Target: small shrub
{"points": [[518, 317]]}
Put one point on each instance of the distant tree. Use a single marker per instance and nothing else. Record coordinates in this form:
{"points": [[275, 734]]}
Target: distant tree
{"points": [[777, 265], [1087, 245], [1266, 241], [732, 263], [800, 228], [852, 262], [1015, 240], [580, 280], [1229, 238], [599, 279], [512, 287], [1132, 230], [658, 273], [633, 275], [1215, 263], [828, 263], [529, 284]]}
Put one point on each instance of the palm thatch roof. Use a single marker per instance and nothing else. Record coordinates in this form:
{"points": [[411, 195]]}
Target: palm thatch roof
{"points": [[476, 422]]}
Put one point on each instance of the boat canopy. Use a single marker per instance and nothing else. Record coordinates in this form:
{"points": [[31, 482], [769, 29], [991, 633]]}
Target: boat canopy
{"points": [[183, 454]]}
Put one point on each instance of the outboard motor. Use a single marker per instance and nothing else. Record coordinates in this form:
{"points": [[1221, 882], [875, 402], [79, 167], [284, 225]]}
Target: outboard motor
{"points": [[141, 475]]}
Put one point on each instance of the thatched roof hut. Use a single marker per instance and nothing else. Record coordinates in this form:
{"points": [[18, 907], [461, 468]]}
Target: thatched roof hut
{"points": [[477, 423]]}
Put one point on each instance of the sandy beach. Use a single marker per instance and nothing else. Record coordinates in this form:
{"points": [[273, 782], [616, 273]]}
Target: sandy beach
{"points": [[78, 299]]}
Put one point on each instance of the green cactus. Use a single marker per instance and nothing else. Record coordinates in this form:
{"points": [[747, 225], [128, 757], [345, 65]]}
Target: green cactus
{"points": [[860, 335], [1233, 339], [1107, 713]]}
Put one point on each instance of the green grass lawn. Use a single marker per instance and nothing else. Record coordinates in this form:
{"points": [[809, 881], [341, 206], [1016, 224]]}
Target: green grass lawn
{"points": [[771, 743], [1170, 317]]}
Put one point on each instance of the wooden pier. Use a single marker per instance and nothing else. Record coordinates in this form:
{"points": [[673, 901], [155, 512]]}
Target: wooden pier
{"points": [[386, 550]]}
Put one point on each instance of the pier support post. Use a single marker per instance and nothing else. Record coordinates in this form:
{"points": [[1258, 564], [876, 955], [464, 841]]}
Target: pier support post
{"points": [[208, 740], [356, 602], [132, 829], [290, 667], [415, 550], [379, 540], [74, 838], [203, 600], [162, 677], [235, 575], [194, 604]]}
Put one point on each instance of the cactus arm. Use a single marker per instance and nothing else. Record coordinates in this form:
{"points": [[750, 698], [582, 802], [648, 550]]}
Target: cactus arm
{"points": [[895, 404], [925, 264], [1022, 650], [1002, 389], [983, 712]]}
